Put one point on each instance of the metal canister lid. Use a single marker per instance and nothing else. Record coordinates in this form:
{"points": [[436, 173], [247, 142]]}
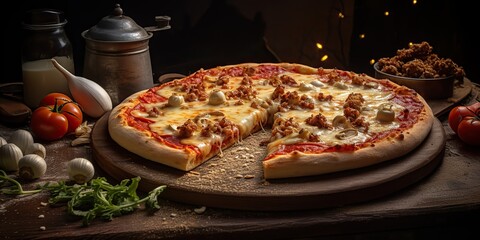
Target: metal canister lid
{"points": [[116, 27], [38, 19]]}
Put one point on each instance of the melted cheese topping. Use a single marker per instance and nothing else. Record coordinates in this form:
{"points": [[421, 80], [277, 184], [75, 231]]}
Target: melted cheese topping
{"points": [[248, 118], [373, 99]]}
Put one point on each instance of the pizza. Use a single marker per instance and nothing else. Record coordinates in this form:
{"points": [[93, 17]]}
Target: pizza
{"points": [[321, 120]]}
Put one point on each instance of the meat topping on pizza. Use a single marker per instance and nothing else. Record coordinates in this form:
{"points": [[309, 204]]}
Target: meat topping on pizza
{"points": [[309, 110], [354, 97]]}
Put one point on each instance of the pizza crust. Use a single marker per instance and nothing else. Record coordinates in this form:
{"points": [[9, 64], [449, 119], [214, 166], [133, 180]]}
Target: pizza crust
{"points": [[298, 164], [281, 166], [142, 144], [304, 69]]}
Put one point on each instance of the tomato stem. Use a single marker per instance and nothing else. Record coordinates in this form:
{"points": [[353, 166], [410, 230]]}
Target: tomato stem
{"points": [[58, 108], [55, 106]]}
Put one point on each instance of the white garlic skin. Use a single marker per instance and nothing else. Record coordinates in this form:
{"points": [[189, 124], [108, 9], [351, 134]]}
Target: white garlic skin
{"points": [[83, 129], [3, 141], [31, 166], [23, 139], [9, 156], [80, 170], [93, 98], [38, 149]]}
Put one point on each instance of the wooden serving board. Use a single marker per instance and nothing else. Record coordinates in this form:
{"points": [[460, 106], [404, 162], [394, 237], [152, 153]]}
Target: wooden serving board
{"points": [[235, 181], [443, 106]]}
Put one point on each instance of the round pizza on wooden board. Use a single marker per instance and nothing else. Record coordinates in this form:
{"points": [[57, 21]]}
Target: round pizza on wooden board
{"points": [[235, 180], [321, 120]]}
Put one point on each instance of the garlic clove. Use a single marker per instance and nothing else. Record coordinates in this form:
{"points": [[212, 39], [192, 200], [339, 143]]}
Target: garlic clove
{"points": [[3, 141], [9, 156], [83, 129], [80, 141], [83, 134], [93, 98], [23, 139], [38, 149], [31, 166], [80, 170]]}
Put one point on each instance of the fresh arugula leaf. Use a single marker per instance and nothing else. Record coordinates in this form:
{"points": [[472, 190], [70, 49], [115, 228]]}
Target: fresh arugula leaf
{"points": [[60, 192], [100, 199], [152, 198]]}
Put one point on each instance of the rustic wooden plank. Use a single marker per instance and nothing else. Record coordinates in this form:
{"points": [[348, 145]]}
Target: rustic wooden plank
{"points": [[444, 204], [443, 106]]}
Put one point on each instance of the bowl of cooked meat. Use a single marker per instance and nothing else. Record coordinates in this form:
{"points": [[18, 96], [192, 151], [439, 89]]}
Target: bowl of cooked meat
{"points": [[418, 68]]}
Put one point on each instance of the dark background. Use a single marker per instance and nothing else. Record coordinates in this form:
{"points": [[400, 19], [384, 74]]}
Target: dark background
{"points": [[210, 33]]}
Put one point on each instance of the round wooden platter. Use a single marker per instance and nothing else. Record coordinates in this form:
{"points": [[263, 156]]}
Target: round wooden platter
{"points": [[443, 106], [235, 181]]}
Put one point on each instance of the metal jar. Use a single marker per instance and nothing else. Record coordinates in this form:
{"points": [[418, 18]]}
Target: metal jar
{"points": [[117, 55]]}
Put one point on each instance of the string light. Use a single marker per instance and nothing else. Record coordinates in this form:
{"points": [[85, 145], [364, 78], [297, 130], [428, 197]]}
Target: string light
{"points": [[319, 45], [324, 58], [340, 15], [386, 13]]}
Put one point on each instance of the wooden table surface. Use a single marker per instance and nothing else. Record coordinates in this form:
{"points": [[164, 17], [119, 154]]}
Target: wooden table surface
{"points": [[445, 204]]}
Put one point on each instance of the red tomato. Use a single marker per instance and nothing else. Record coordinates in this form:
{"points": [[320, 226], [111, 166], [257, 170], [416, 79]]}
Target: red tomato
{"points": [[50, 98], [474, 107], [457, 114], [66, 106], [74, 115], [465, 122], [469, 130], [48, 124]]}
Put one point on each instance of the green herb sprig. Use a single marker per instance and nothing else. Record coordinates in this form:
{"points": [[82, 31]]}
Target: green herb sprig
{"points": [[98, 198], [16, 188]]}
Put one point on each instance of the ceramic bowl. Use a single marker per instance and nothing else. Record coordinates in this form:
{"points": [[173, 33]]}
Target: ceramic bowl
{"points": [[428, 88]]}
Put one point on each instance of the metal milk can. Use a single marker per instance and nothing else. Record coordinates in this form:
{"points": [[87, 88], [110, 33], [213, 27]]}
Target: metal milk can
{"points": [[117, 54]]}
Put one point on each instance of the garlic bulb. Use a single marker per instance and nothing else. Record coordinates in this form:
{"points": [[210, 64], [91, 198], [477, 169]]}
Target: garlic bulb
{"points": [[38, 149], [23, 139], [2, 141], [31, 166], [9, 156], [80, 170], [80, 141], [93, 98]]}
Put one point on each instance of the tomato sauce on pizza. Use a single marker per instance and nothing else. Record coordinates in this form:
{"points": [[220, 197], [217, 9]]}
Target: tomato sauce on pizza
{"points": [[321, 120]]}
